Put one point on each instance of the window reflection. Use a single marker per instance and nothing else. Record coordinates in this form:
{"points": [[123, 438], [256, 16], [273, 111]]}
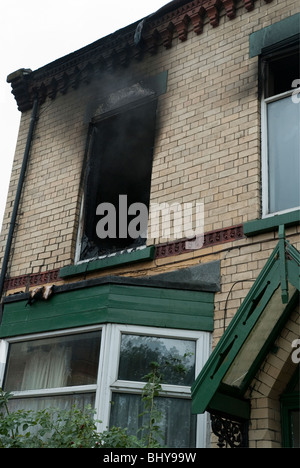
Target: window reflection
{"points": [[175, 357]]}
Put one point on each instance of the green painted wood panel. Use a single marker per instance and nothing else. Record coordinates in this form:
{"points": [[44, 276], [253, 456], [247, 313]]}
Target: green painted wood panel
{"points": [[273, 34], [260, 226], [135, 305]]}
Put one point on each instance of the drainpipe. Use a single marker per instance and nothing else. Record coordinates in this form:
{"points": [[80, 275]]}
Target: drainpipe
{"points": [[18, 196]]}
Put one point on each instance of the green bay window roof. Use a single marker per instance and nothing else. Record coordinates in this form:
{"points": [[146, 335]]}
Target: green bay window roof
{"points": [[222, 383], [183, 299]]}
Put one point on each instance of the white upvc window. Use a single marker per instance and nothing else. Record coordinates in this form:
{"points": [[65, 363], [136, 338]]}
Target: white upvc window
{"points": [[104, 366], [280, 134]]}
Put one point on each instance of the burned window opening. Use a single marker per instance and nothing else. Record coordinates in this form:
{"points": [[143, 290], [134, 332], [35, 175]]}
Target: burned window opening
{"points": [[119, 168], [281, 70]]}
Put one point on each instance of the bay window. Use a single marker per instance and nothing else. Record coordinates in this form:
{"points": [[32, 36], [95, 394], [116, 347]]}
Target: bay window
{"points": [[105, 367]]}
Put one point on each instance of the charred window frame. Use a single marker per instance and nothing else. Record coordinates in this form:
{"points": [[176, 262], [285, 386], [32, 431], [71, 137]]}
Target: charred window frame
{"points": [[119, 163], [279, 68]]}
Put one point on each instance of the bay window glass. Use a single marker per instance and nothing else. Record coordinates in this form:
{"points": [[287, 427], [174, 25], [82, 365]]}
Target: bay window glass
{"points": [[280, 133], [175, 361], [177, 426], [53, 362], [138, 351], [105, 367], [60, 401]]}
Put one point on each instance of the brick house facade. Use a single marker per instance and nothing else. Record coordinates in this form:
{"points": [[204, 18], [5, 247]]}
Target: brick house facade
{"points": [[209, 78]]}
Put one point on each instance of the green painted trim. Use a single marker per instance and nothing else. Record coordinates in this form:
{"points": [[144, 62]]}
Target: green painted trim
{"points": [[259, 226], [111, 303], [283, 266], [228, 404], [108, 262], [209, 381], [273, 34]]}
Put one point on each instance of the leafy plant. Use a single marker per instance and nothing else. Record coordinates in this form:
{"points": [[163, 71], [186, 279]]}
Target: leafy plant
{"points": [[151, 430], [49, 428]]}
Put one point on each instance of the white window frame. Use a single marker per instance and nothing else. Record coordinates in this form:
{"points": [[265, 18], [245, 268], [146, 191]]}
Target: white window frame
{"points": [[51, 391], [107, 381], [265, 151]]}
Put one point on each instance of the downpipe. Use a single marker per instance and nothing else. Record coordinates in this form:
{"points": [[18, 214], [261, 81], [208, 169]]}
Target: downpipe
{"points": [[18, 196]]}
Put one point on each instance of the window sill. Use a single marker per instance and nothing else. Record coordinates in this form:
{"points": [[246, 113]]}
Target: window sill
{"points": [[260, 226], [108, 262]]}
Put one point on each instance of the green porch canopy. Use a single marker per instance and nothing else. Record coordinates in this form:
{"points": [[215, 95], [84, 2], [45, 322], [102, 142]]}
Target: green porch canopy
{"points": [[221, 385]]}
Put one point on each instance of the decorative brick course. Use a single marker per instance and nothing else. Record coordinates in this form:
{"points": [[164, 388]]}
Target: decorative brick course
{"points": [[28, 281], [219, 236], [120, 49]]}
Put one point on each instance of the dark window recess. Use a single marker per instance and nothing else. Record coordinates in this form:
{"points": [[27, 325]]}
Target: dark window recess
{"points": [[120, 163], [281, 71]]}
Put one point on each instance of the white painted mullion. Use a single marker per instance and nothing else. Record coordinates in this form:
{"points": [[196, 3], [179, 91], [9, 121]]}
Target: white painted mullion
{"points": [[128, 386], [264, 158], [55, 333], [101, 394], [108, 368], [277, 97], [54, 391], [203, 351], [3, 357]]}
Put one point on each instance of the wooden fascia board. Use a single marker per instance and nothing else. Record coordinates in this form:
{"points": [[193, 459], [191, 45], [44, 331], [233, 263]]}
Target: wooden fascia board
{"points": [[110, 303]]}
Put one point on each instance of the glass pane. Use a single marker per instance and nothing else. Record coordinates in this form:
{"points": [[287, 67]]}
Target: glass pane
{"points": [[63, 402], [137, 353], [53, 362], [283, 154], [177, 424]]}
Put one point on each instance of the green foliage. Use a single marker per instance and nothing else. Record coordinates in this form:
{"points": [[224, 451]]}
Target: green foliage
{"points": [[117, 437], [49, 428]]}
